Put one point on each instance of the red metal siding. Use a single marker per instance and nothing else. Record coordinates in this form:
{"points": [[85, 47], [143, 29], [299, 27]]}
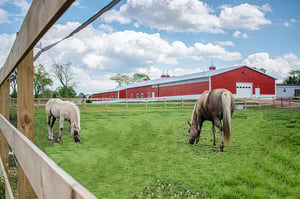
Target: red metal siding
{"points": [[184, 89], [108, 95], [244, 74], [140, 90]]}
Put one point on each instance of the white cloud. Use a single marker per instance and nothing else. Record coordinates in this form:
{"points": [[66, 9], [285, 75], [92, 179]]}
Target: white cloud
{"points": [[243, 16], [278, 67], [289, 23], [3, 16], [189, 16], [171, 15], [6, 44], [23, 5], [224, 43], [239, 34], [98, 53]]}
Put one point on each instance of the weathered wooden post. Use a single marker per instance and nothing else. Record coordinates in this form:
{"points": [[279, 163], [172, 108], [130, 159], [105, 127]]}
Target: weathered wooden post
{"points": [[4, 110], [25, 117]]}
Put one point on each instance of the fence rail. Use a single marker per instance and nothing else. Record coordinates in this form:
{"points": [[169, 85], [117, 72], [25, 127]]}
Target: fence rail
{"points": [[166, 103], [37, 174]]}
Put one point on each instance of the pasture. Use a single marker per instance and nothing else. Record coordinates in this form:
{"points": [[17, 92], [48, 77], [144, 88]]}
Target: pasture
{"points": [[137, 154]]}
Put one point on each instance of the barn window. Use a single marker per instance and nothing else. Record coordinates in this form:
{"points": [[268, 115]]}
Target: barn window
{"points": [[284, 89], [137, 95], [131, 96], [148, 94], [142, 95]]}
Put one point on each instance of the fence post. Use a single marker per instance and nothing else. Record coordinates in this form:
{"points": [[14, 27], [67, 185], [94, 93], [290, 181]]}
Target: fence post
{"points": [[4, 110], [38, 104], [105, 104], [126, 105], [245, 103], [274, 102], [146, 105], [181, 104], [259, 102], [84, 104], [165, 105], [25, 117]]}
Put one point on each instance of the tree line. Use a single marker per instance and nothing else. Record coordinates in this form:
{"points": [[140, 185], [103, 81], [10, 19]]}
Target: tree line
{"points": [[42, 82]]}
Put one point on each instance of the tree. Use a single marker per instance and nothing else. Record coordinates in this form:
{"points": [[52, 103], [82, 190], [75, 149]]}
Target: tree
{"points": [[65, 76], [122, 79], [66, 93], [41, 80], [294, 77], [137, 77]]}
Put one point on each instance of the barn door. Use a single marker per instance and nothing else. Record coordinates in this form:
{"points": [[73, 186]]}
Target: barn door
{"points": [[243, 89]]}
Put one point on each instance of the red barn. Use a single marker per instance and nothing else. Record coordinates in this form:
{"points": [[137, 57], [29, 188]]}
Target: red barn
{"points": [[242, 81]]}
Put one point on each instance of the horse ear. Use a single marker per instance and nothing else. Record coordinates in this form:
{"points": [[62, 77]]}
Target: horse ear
{"points": [[189, 123]]}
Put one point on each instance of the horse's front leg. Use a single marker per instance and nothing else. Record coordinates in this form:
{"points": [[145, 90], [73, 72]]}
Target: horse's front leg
{"points": [[199, 127], [50, 126], [214, 135], [61, 127]]}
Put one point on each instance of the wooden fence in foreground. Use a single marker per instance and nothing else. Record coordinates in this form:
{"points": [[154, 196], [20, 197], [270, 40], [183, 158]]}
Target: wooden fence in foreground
{"points": [[166, 103], [38, 175]]}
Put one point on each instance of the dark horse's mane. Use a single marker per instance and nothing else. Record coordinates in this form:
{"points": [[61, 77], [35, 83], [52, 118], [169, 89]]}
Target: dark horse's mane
{"points": [[214, 106]]}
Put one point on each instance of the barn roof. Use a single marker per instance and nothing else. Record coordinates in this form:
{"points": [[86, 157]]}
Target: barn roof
{"points": [[200, 75]]}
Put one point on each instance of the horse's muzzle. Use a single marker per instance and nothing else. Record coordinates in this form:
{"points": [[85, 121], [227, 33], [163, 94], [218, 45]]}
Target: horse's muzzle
{"points": [[192, 140], [76, 136], [77, 139]]}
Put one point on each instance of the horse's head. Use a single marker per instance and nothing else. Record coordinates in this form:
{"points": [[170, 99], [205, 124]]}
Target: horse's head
{"points": [[194, 134], [76, 134]]}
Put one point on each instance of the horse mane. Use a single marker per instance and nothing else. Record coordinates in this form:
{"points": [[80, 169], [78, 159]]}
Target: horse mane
{"points": [[77, 112], [200, 104]]}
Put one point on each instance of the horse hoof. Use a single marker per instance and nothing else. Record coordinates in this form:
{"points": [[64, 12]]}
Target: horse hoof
{"points": [[50, 139], [214, 146], [221, 151]]}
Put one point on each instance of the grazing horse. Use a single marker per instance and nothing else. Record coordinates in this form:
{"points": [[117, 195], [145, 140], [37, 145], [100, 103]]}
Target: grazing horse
{"points": [[65, 111], [214, 106]]}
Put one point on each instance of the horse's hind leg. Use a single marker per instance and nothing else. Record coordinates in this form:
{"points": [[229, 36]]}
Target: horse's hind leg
{"points": [[219, 126], [214, 135]]}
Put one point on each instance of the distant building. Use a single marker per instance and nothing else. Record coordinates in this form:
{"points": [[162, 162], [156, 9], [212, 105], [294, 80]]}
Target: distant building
{"points": [[242, 81], [287, 90]]}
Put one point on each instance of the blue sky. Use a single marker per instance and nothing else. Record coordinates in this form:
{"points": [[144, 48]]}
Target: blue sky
{"points": [[159, 36]]}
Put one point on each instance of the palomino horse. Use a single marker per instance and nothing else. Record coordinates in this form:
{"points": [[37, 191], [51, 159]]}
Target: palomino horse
{"points": [[214, 106], [64, 110]]}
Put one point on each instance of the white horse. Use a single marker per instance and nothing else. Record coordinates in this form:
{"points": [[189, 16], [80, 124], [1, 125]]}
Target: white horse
{"points": [[64, 110]]}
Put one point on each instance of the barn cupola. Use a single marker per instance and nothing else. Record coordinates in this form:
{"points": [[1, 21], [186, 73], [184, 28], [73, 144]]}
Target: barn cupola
{"points": [[212, 67], [165, 75]]}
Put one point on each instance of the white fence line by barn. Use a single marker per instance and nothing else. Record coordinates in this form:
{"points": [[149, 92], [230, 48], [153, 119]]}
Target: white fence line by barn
{"points": [[166, 103], [38, 175]]}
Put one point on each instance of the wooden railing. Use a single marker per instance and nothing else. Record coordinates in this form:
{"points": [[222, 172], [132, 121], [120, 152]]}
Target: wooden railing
{"points": [[38, 175], [166, 103]]}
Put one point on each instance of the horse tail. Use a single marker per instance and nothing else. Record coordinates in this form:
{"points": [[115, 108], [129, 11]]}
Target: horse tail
{"points": [[226, 108]]}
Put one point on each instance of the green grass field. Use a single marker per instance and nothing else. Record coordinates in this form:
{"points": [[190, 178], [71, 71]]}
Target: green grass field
{"points": [[138, 154]]}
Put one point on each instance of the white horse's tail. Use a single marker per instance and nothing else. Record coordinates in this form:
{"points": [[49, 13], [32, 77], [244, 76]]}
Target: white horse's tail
{"points": [[226, 107]]}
